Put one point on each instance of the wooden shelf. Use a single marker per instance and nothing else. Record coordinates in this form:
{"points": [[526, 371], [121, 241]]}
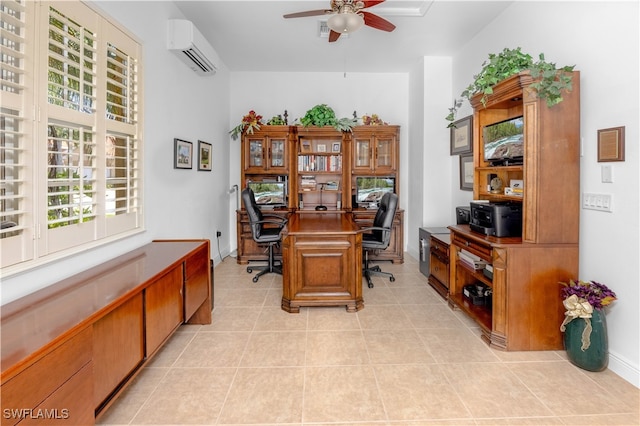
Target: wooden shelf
{"points": [[480, 314]]}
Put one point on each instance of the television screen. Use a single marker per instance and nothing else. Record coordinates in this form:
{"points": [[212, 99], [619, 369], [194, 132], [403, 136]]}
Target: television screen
{"points": [[269, 193], [370, 189], [504, 140]]}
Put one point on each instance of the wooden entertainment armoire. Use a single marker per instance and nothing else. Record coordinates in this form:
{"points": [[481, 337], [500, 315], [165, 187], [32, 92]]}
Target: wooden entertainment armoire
{"points": [[291, 153], [526, 308]]}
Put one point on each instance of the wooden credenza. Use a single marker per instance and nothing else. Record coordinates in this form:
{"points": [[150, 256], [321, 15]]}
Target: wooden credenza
{"points": [[70, 349]]}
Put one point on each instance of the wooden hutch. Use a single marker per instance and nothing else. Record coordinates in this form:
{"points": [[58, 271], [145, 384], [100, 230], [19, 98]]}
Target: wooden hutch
{"points": [[320, 165], [526, 309]]}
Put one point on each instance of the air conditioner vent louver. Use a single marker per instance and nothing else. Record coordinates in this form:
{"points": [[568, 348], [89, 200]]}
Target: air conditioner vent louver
{"points": [[184, 39], [199, 59]]}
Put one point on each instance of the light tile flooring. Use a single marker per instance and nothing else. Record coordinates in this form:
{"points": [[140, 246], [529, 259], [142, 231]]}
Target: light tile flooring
{"points": [[405, 359]]}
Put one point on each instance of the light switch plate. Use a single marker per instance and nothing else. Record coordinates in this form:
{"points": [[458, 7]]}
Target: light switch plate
{"points": [[600, 202]]}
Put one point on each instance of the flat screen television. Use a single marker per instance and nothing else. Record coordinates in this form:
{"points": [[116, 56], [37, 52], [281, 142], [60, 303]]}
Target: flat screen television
{"points": [[504, 142], [370, 189], [269, 194]]}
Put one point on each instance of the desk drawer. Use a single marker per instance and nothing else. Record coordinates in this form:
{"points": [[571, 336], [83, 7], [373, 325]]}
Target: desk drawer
{"points": [[484, 251], [32, 386]]}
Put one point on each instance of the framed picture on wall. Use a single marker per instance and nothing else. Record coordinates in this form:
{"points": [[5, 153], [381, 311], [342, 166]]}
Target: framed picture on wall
{"points": [[462, 136], [182, 154], [204, 156], [466, 172]]}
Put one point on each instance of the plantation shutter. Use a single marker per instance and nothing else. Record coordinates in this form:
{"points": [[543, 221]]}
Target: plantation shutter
{"points": [[16, 133], [71, 124], [122, 146]]}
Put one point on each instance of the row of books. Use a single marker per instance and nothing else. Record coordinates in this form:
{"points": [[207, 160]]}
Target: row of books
{"points": [[319, 163]]}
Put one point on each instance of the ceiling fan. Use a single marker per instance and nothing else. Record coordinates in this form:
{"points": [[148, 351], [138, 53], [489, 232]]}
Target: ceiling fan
{"points": [[347, 16]]}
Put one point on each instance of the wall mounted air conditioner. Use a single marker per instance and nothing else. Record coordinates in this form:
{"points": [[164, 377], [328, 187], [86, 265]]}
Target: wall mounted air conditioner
{"points": [[184, 39]]}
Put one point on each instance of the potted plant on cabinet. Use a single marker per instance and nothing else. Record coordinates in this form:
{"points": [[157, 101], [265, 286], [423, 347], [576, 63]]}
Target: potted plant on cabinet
{"points": [[323, 115], [550, 82], [584, 325]]}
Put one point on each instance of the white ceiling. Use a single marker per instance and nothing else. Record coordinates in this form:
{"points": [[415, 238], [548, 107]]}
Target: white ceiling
{"points": [[253, 35]]}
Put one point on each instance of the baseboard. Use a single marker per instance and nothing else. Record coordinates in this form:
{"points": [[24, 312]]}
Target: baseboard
{"points": [[624, 369]]}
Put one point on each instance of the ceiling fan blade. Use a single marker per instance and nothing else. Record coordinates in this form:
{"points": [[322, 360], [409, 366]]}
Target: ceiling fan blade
{"points": [[377, 22], [371, 3], [308, 13], [333, 36]]}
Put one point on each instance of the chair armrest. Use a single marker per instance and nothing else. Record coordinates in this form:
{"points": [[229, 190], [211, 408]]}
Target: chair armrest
{"points": [[374, 228], [280, 224], [279, 219]]}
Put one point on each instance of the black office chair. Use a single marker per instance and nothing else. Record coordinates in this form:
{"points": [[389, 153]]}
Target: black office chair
{"points": [[270, 235], [378, 236]]}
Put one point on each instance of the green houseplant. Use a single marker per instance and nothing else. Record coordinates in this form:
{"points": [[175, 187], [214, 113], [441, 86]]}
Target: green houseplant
{"points": [[322, 115], [550, 81]]}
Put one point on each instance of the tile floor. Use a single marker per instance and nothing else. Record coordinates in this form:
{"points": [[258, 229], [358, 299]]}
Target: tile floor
{"points": [[405, 359]]}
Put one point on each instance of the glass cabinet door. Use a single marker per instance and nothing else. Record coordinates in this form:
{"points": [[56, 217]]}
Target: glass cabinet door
{"points": [[277, 153], [384, 158], [256, 153], [362, 154]]}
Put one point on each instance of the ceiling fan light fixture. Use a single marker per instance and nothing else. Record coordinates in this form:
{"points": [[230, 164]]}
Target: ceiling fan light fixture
{"points": [[345, 23]]}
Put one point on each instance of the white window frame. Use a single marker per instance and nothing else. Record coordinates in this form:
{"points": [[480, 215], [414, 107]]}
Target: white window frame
{"points": [[112, 109]]}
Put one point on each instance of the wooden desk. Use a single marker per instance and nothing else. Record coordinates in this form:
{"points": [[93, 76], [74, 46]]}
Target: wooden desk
{"points": [[322, 261]]}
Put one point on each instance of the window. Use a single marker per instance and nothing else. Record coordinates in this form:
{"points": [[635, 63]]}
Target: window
{"points": [[70, 166]]}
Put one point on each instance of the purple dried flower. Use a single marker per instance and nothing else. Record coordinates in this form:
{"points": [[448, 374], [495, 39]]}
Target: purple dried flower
{"points": [[598, 295]]}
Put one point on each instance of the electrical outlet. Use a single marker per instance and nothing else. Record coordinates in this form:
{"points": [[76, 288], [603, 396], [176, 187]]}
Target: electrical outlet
{"points": [[218, 234]]}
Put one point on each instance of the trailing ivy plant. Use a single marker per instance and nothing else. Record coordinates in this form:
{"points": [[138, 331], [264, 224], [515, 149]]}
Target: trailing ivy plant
{"points": [[549, 83], [322, 115]]}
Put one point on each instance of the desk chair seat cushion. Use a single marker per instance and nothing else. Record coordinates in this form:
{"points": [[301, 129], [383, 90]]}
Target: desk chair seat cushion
{"points": [[375, 242]]}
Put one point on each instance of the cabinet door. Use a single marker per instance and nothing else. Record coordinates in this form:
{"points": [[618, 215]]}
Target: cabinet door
{"points": [[118, 347], [197, 285], [385, 158], [362, 151], [255, 151], [163, 308], [278, 155]]}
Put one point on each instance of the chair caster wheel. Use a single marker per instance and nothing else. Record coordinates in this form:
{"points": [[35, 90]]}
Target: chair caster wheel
{"points": [[392, 279], [370, 285], [249, 270], [255, 279]]}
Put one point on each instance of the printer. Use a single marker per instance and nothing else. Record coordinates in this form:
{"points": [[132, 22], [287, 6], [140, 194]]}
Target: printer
{"points": [[496, 219]]}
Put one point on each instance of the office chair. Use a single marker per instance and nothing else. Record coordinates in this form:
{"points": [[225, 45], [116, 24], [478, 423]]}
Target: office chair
{"points": [[378, 236], [270, 235]]}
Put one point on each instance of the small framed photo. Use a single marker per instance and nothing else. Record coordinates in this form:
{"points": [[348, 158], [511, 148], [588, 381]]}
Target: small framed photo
{"points": [[335, 147], [305, 146], [611, 144], [462, 136], [321, 147], [204, 156], [466, 172], [182, 154]]}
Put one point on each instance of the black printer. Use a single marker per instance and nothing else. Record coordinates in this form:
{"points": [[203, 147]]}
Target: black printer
{"points": [[496, 219]]}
